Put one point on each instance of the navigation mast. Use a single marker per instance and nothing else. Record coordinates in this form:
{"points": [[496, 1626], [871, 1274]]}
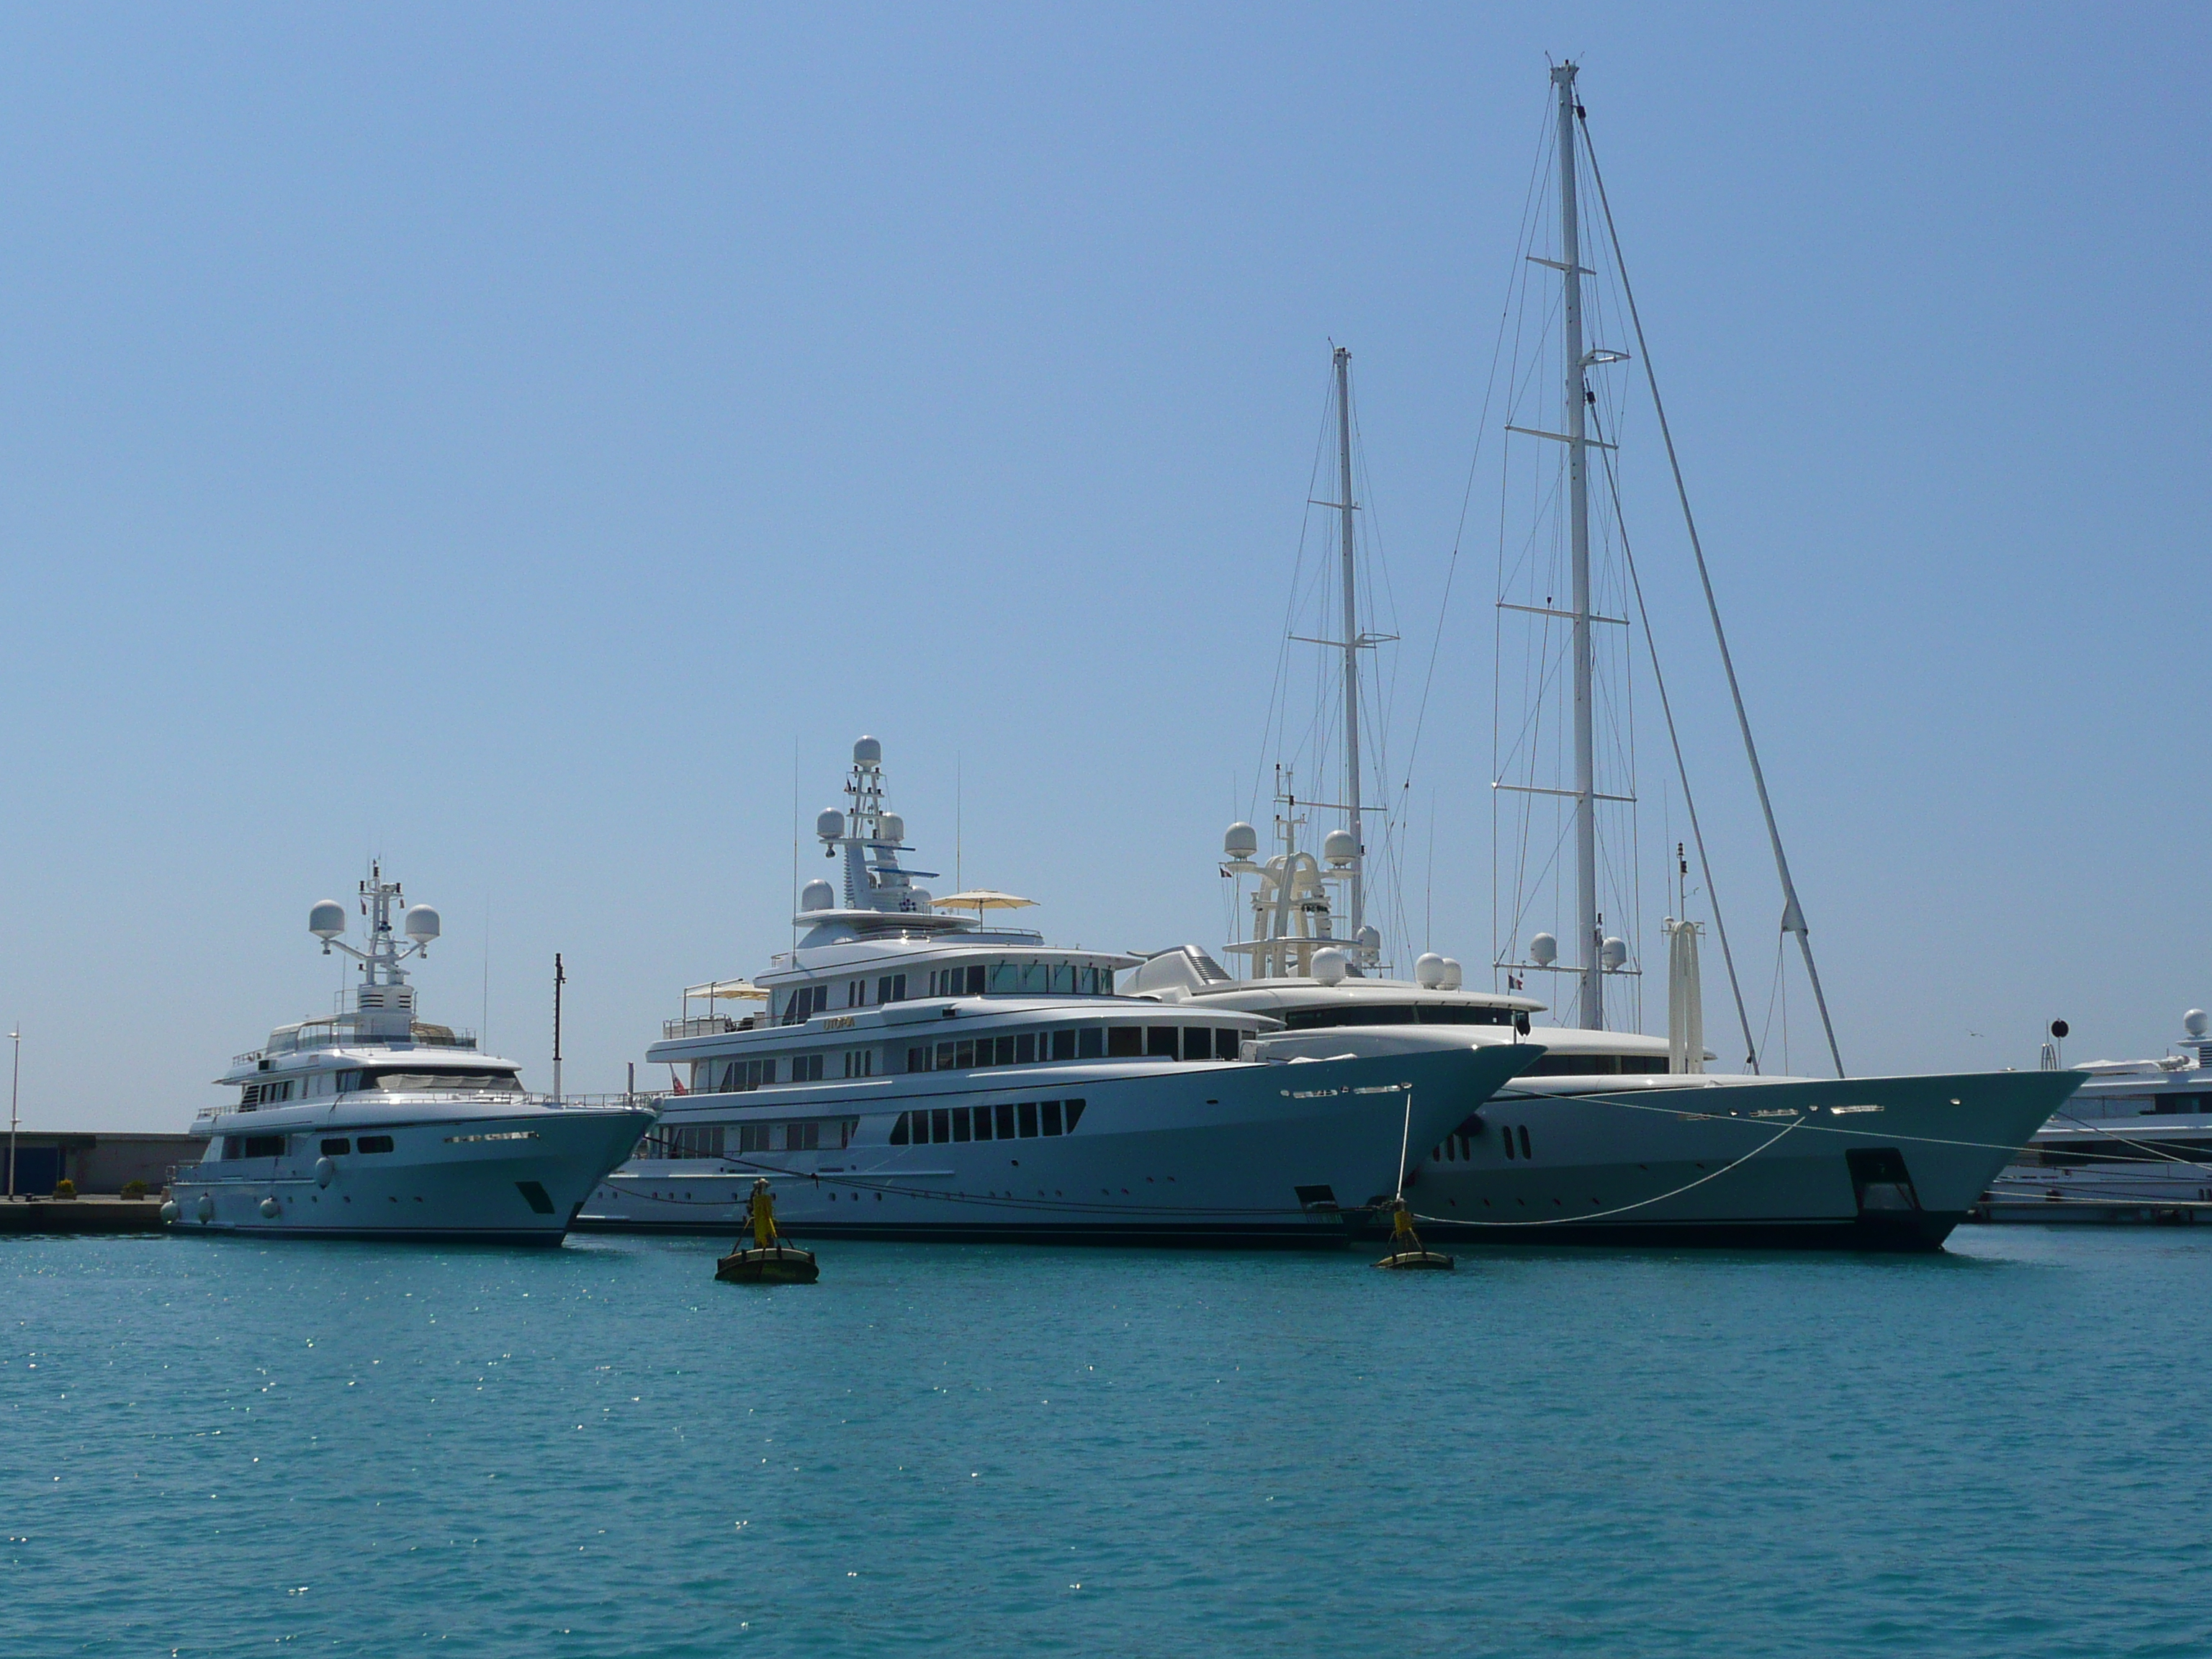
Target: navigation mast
{"points": [[1356, 910], [1591, 1012]]}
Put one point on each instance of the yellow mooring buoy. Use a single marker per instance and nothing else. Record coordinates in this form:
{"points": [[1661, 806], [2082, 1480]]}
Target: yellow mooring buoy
{"points": [[1407, 1253], [770, 1260]]}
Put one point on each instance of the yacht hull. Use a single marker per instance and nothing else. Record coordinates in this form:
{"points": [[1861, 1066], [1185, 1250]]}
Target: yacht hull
{"points": [[1867, 1164], [1231, 1154], [474, 1180]]}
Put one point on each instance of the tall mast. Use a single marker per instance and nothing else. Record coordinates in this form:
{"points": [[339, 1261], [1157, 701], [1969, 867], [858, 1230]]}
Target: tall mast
{"points": [[1355, 916], [1592, 1010]]}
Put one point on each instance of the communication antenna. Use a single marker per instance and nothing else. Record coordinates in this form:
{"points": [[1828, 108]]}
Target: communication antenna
{"points": [[560, 979]]}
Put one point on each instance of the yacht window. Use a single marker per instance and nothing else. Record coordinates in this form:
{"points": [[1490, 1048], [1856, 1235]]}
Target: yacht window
{"points": [[336, 1148], [806, 1068], [348, 1082], [265, 1146], [1063, 980], [1025, 1047], [917, 1060], [804, 1002], [1507, 1137], [1025, 1114], [982, 1123], [1160, 1041], [1004, 1112], [1525, 1152], [856, 993], [802, 1137], [940, 1125], [1074, 1111], [891, 988], [899, 1131], [964, 1055], [1050, 1111], [1124, 1041], [1228, 1043], [1198, 1043], [960, 1123], [491, 1083], [1088, 1042], [2180, 1104], [373, 1144], [1063, 1045]]}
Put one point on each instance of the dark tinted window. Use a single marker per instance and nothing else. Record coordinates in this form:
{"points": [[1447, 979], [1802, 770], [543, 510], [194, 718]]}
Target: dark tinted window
{"points": [[982, 1123], [1087, 1043], [265, 1146], [1074, 1111], [336, 1148], [1525, 1152], [374, 1143], [1160, 1041], [1227, 1043], [960, 1123], [1026, 1112], [1050, 1111], [1063, 1045], [1005, 1114], [1125, 1040], [1005, 1046], [898, 1131], [940, 1125], [1198, 1043], [1025, 1047]]}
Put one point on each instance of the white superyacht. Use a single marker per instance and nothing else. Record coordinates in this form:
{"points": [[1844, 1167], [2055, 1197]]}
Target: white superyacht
{"points": [[2134, 1144], [371, 1123], [1610, 1135], [915, 1073]]}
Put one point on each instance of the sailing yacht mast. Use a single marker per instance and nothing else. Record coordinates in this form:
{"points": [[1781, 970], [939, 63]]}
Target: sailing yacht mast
{"points": [[1591, 1012], [1356, 917]]}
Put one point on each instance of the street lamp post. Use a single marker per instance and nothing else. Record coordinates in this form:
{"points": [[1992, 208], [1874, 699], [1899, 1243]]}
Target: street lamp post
{"points": [[15, 1092]]}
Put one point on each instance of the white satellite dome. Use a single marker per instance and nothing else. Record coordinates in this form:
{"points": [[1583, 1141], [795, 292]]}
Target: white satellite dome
{"points": [[1329, 966], [817, 895], [2195, 1023], [890, 828], [327, 920], [1429, 972], [422, 923], [1614, 953], [1339, 847], [1241, 842], [1453, 979], [1543, 950], [1368, 938], [867, 752], [830, 824]]}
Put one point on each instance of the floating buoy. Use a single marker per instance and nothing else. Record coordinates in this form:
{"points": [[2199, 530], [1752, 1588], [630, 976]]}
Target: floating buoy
{"points": [[1416, 1260], [770, 1260], [778, 1264], [1407, 1250]]}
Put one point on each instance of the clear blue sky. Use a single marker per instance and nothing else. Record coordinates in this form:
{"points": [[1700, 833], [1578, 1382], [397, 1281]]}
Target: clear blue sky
{"points": [[505, 438]]}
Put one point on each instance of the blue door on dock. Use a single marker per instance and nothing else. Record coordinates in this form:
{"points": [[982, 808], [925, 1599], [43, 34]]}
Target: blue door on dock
{"points": [[37, 1168]]}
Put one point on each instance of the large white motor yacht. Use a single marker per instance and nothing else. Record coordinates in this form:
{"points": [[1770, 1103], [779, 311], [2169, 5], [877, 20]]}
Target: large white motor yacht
{"points": [[915, 1073], [2134, 1144], [373, 1124]]}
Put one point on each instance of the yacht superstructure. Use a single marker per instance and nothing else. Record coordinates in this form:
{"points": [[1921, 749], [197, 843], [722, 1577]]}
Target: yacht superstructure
{"points": [[915, 1073], [370, 1123]]}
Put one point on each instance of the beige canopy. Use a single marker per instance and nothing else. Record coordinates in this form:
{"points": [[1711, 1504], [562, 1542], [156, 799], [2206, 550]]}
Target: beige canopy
{"points": [[727, 989], [980, 899]]}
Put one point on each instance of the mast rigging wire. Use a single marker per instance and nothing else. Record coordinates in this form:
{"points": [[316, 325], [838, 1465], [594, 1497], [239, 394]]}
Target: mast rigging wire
{"points": [[1793, 914]]}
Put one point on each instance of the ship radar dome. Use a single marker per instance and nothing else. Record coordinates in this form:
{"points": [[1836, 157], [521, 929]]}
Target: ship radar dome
{"points": [[1328, 965], [818, 896], [892, 828], [1543, 950], [1453, 979], [327, 920], [1614, 953], [1370, 937], [2195, 1023], [830, 824], [1429, 971], [867, 752], [1242, 842], [1339, 847], [422, 923]]}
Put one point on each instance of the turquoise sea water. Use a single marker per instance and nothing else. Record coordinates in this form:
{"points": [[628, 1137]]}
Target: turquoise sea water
{"points": [[215, 1447]]}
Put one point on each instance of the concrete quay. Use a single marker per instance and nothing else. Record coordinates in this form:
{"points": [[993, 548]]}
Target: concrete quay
{"points": [[94, 1212]]}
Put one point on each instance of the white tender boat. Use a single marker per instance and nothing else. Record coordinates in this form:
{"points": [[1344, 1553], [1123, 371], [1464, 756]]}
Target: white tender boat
{"points": [[373, 1124], [2134, 1144], [915, 1073]]}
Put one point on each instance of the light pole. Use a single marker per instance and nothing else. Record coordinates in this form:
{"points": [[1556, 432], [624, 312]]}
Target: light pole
{"points": [[15, 1090]]}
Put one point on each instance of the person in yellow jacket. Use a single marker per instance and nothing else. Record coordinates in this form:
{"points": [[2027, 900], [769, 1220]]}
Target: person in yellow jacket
{"points": [[761, 1209], [1403, 1239]]}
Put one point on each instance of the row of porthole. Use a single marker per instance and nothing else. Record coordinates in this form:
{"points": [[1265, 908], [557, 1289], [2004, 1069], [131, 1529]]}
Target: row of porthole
{"points": [[1459, 1148]]}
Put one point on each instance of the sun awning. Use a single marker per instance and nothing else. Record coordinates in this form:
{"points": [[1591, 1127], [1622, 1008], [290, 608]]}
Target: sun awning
{"points": [[980, 899], [727, 989]]}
